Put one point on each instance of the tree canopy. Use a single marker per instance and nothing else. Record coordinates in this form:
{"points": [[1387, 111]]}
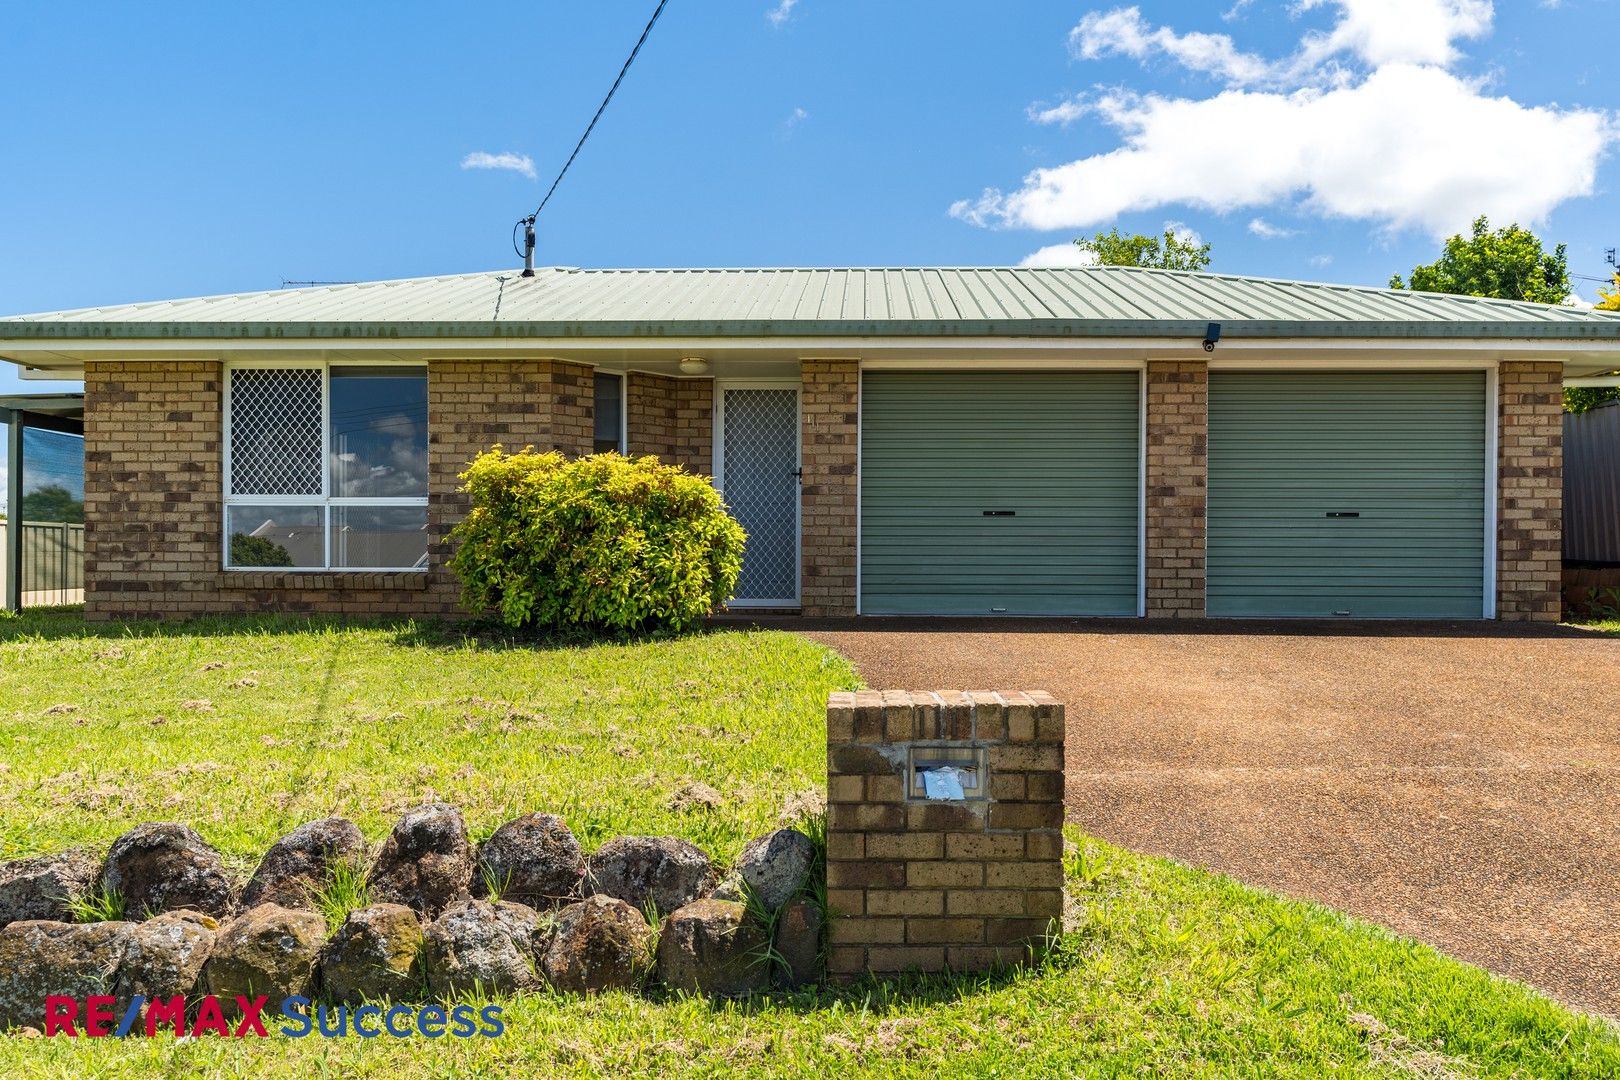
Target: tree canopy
{"points": [[1169, 252], [1610, 301], [1508, 264], [51, 502]]}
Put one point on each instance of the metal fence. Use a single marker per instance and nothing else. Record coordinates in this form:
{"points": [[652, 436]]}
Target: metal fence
{"points": [[52, 562], [1592, 486]]}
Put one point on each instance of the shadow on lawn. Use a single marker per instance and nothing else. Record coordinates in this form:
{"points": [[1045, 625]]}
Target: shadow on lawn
{"points": [[68, 623]]}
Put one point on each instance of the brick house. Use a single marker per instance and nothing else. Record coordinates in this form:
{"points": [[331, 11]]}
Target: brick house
{"points": [[1089, 441]]}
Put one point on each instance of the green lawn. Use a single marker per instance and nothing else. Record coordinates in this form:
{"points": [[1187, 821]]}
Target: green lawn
{"points": [[1166, 970]]}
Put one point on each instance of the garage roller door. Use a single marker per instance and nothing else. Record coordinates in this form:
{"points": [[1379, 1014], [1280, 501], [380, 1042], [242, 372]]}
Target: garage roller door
{"points": [[1359, 494], [999, 493]]}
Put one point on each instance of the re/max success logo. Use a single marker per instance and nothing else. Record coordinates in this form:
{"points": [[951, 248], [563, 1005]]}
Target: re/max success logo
{"points": [[297, 1017]]}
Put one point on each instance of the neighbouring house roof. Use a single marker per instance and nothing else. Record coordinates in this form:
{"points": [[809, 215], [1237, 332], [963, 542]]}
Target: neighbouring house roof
{"points": [[1075, 302]]}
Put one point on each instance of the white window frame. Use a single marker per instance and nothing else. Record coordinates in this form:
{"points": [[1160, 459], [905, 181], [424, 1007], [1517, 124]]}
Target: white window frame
{"points": [[325, 502]]}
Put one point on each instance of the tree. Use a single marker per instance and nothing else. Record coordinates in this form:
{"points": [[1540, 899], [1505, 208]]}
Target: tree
{"points": [[1171, 252], [1610, 301], [52, 502], [1508, 264], [258, 551]]}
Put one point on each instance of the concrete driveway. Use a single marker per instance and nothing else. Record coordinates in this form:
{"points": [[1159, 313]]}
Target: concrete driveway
{"points": [[1460, 784]]}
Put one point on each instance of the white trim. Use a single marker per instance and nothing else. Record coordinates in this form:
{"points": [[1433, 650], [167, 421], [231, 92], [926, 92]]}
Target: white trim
{"points": [[860, 436], [325, 501], [979, 363], [718, 436], [1141, 492], [1371, 363], [439, 348], [1600, 381], [1493, 483]]}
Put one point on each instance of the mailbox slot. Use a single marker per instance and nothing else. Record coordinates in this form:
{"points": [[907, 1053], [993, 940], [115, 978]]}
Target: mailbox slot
{"points": [[954, 773]]}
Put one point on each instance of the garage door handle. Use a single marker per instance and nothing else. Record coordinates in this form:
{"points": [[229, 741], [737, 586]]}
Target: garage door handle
{"points": [[1000, 513], [1344, 513]]}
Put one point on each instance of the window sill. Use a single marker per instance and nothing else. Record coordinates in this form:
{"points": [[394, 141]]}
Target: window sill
{"points": [[332, 580]]}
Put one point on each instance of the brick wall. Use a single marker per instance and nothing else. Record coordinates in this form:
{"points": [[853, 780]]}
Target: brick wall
{"points": [[1177, 485], [694, 425], [474, 404], [154, 489], [650, 407], [830, 405], [672, 418], [1530, 502], [925, 885]]}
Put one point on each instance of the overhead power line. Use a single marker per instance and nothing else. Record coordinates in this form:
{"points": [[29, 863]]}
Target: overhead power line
{"points": [[600, 109]]}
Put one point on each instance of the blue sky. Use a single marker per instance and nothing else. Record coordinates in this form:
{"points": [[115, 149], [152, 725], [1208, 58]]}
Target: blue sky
{"points": [[179, 149]]}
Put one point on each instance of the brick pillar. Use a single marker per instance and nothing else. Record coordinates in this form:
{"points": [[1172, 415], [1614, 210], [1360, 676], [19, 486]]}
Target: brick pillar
{"points": [[1177, 486], [694, 425], [920, 884], [650, 408], [1530, 502], [830, 404], [474, 404], [152, 488]]}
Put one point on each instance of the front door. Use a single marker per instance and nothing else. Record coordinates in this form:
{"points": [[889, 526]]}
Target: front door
{"points": [[758, 474]]}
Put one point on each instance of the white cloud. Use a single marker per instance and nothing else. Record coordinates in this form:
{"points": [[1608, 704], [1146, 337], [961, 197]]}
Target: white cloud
{"points": [[1060, 255], [518, 163], [1123, 32], [1063, 113], [1184, 233], [1397, 31], [1390, 136], [1265, 230], [797, 116], [782, 12], [1321, 260]]}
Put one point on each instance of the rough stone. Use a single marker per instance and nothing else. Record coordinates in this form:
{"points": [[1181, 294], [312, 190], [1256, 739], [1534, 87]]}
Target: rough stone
{"points": [[532, 860], [711, 947], [268, 950], [798, 943], [775, 866], [44, 887], [598, 944], [166, 866], [661, 870], [166, 954], [374, 956], [40, 957], [300, 863], [482, 947], [426, 863]]}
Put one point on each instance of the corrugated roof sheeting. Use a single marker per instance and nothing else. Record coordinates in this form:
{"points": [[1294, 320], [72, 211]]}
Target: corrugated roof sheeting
{"points": [[1078, 300], [1592, 485]]}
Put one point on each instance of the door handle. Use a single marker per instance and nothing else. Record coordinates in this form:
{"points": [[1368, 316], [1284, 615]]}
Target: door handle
{"points": [[1344, 513], [1000, 513]]}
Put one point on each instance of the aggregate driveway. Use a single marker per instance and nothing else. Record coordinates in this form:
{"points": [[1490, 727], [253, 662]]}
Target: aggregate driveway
{"points": [[1460, 784]]}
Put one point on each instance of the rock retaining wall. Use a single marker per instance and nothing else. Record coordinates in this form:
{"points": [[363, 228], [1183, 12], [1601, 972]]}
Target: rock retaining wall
{"points": [[639, 910]]}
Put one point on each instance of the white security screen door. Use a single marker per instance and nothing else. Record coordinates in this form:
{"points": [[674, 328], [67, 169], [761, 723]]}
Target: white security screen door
{"points": [[759, 477]]}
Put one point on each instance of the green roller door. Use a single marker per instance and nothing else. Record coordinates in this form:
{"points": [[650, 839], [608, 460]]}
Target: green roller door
{"points": [[1359, 494], [999, 493]]}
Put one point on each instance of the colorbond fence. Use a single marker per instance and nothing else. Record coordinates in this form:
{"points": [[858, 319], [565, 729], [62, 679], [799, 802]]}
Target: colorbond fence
{"points": [[52, 562], [1592, 486]]}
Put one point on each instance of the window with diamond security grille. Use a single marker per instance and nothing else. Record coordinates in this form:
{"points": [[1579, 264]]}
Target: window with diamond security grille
{"points": [[276, 431], [328, 468], [760, 448]]}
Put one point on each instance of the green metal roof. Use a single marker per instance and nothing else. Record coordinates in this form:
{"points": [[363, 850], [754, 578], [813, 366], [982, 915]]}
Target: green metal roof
{"points": [[918, 302]]}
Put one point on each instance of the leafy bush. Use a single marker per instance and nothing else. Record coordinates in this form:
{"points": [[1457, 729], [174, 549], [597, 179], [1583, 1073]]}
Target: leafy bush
{"points": [[603, 542]]}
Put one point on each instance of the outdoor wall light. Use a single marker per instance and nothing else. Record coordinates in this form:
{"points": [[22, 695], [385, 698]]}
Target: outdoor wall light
{"points": [[694, 365]]}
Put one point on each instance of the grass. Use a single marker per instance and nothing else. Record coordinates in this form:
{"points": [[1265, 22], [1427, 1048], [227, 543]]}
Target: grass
{"points": [[247, 728], [1165, 970]]}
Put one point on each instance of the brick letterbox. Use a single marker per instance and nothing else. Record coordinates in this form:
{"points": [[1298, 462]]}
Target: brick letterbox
{"points": [[944, 841]]}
